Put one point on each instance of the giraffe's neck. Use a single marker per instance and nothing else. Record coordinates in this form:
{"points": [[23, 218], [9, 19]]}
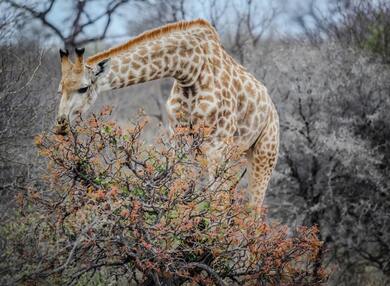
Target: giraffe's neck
{"points": [[179, 56]]}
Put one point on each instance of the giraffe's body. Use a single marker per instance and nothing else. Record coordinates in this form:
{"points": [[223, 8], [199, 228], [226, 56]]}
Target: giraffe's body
{"points": [[210, 89]]}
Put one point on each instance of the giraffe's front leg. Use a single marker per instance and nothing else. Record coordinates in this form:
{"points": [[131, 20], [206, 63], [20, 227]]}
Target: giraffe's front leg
{"points": [[216, 155]]}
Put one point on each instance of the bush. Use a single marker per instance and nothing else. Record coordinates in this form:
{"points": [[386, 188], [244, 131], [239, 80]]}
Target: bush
{"points": [[116, 210], [333, 168], [363, 24], [27, 87]]}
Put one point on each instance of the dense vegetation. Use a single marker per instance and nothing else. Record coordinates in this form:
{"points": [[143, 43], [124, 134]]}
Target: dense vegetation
{"points": [[115, 210], [331, 87]]}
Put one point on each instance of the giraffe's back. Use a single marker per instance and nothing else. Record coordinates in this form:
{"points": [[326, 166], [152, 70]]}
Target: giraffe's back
{"points": [[225, 96]]}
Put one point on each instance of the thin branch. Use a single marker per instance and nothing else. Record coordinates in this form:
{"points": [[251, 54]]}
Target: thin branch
{"points": [[32, 75]]}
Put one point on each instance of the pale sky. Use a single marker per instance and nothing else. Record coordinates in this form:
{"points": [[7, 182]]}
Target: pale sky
{"points": [[120, 23]]}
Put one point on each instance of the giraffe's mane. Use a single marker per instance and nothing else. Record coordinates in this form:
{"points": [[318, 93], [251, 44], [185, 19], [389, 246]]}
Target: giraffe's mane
{"points": [[148, 35]]}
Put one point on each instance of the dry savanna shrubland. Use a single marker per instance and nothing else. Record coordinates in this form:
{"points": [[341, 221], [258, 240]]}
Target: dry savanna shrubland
{"points": [[115, 210], [119, 203]]}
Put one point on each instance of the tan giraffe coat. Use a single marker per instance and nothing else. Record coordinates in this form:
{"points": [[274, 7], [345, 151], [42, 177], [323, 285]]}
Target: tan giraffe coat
{"points": [[210, 88]]}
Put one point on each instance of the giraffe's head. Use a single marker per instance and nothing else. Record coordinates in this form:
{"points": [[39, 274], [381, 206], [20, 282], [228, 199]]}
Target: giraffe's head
{"points": [[78, 88]]}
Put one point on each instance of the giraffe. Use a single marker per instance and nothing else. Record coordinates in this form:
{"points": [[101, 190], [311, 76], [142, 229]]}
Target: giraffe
{"points": [[210, 88]]}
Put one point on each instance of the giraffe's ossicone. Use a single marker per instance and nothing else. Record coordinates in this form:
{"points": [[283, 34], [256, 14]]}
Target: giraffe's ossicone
{"points": [[210, 88]]}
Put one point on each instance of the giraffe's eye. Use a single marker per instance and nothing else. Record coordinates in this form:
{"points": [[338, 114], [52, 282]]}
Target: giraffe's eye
{"points": [[82, 90]]}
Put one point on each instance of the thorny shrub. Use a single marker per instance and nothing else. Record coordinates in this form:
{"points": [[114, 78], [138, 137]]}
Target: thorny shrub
{"points": [[116, 209]]}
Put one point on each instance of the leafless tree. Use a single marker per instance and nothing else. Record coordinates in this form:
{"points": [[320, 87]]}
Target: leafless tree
{"points": [[9, 22], [333, 167], [251, 24], [363, 23], [27, 89], [73, 32]]}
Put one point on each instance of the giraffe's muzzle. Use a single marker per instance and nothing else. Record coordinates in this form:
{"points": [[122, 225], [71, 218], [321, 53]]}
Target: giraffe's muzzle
{"points": [[62, 126]]}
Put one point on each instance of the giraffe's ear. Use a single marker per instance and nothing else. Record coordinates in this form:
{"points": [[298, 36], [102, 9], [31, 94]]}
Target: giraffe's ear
{"points": [[102, 67]]}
